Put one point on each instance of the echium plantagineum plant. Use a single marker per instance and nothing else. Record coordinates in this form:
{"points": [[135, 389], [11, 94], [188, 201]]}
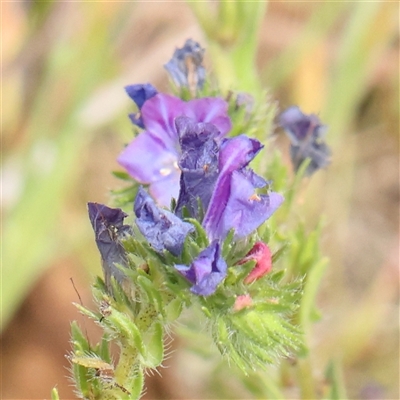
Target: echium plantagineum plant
{"points": [[192, 231]]}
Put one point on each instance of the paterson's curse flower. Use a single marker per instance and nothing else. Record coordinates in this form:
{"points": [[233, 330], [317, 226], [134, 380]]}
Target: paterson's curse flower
{"points": [[306, 135], [235, 204], [161, 228], [109, 229], [152, 157], [207, 270]]}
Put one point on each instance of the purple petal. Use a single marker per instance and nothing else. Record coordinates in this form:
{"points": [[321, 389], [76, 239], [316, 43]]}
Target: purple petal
{"points": [[210, 109], [306, 135], [245, 211], [186, 65], [108, 227], [198, 163], [136, 119], [140, 93], [162, 229], [207, 270], [153, 155], [297, 125], [159, 115], [164, 190], [148, 160], [235, 154]]}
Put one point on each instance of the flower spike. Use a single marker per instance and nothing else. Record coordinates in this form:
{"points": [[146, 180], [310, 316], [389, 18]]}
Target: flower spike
{"points": [[207, 270]]}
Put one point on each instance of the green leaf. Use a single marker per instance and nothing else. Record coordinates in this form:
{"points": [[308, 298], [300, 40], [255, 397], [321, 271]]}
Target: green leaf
{"points": [[310, 292], [122, 175], [154, 346], [174, 309], [104, 348], [152, 293], [80, 347], [335, 379], [127, 331], [88, 313], [54, 394], [254, 337], [276, 277], [135, 383]]}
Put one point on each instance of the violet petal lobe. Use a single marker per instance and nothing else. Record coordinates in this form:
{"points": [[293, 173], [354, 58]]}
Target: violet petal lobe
{"points": [[140, 93], [317, 151], [306, 135], [162, 229], [109, 229], [235, 154], [210, 109], [159, 115], [186, 66], [198, 163], [206, 271], [246, 210], [148, 161]]}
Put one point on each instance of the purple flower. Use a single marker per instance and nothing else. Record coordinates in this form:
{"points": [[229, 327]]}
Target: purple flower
{"points": [[186, 66], [140, 93], [198, 163], [161, 228], [207, 270], [152, 157], [306, 135], [234, 203], [108, 227]]}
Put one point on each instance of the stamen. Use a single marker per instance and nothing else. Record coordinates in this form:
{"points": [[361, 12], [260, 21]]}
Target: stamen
{"points": [[165, 171], [255, 197], [176, 166]]}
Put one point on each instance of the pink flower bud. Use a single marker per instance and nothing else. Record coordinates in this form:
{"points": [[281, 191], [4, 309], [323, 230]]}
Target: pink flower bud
{"points": [[242, 301], [263, 257]]}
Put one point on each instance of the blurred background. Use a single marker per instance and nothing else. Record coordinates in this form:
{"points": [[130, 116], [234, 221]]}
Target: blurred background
{"points": [[64, 121]]}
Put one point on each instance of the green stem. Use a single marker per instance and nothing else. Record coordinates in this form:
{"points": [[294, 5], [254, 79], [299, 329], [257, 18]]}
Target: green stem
{"points": [[306, 379], [129, 372]]}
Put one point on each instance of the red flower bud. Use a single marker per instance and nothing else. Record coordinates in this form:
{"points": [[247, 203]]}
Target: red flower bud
{"points": [[263, 257], [242, 301]]}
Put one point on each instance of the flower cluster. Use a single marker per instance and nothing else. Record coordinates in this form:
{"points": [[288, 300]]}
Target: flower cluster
{"points": [[185, 158], [184, 154], [193, 237]]}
